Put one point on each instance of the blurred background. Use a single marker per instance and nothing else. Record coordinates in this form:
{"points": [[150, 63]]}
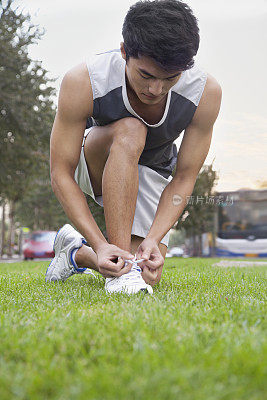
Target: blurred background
{"points": [[227, 212]]}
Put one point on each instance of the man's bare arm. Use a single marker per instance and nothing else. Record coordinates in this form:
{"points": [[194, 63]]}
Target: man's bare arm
{"points": [[192, 154], [74, 106]]}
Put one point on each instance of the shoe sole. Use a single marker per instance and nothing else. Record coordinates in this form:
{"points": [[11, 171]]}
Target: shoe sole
{"points": [[147, 290]]}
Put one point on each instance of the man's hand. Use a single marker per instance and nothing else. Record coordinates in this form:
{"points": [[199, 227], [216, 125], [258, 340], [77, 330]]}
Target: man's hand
{"points": [[111, 260], [153, 260]]}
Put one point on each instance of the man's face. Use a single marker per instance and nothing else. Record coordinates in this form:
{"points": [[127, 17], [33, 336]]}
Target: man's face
{"points": [[149, 82]]}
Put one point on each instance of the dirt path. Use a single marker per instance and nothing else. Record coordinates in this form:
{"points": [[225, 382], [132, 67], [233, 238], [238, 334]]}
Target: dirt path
{"points": [[229, 263]]}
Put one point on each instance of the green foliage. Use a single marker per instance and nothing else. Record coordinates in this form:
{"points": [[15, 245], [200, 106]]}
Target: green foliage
{"points": [[40, 209], [26, 105], [177, 237], [201, 336], [27, 113], [201, 211], [98, 214]]}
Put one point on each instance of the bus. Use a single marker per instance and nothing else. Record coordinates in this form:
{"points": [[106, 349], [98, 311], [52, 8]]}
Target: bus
{"points": [[241, 224]]}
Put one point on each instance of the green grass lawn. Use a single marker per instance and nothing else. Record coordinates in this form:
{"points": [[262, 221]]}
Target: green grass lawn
{"points": [[202, 335]]}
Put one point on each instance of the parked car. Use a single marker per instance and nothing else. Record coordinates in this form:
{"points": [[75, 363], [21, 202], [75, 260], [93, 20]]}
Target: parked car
{"points": [[175, 252], [39, 245]]}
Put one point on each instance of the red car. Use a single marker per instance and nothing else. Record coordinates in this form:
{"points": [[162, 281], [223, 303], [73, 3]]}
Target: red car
{"points": [[39, 245]]}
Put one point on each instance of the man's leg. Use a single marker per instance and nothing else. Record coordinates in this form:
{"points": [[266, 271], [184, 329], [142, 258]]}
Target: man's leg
{"points": [[112, 153], [120, 180]]}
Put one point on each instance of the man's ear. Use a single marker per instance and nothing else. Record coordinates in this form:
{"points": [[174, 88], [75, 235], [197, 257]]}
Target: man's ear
{"points": [[123, 53]]}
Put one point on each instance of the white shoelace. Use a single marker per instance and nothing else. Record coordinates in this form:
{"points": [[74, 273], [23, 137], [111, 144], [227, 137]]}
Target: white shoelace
{"points": [[134, 262], [135, 271]]}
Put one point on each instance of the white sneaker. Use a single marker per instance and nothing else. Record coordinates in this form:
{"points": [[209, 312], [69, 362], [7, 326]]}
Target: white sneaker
{"points": [[63, 265], [129, 283]]}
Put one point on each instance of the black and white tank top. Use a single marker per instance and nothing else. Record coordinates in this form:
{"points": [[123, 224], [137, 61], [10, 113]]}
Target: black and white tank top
{"points": [[111, 103]]}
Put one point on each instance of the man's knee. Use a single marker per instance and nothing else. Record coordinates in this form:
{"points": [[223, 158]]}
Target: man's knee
{"points": [[129, 135], [131, 124]]}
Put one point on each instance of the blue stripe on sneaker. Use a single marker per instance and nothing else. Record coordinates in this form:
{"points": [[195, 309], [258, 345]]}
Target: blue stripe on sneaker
{"points": [[79, 270]]}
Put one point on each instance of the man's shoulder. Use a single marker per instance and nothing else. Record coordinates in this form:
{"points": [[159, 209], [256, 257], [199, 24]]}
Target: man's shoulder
{"points": [[106, 71], [79, 73], [212, 87], [209, 104], [76, 91], [212, 94], [103, 61], [77, 76]]}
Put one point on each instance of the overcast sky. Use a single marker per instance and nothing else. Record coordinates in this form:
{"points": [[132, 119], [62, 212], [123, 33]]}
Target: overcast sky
{"points": [[232, 49]]}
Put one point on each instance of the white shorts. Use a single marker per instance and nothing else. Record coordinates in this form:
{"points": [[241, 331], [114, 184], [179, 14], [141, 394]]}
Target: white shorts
{"points": [[151, 185]]}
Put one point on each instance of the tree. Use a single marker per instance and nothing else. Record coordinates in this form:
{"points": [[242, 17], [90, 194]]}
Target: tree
{"points": [[39, 209], [27, 111], [3, 225], [26, 107], [198, 215]]}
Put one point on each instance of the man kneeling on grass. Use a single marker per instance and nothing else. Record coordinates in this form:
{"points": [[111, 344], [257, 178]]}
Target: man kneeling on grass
{"points": [[134, 103]]}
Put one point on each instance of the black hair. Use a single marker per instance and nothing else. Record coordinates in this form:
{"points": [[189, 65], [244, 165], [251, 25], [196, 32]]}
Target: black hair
{"points": [[165, 30]]}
